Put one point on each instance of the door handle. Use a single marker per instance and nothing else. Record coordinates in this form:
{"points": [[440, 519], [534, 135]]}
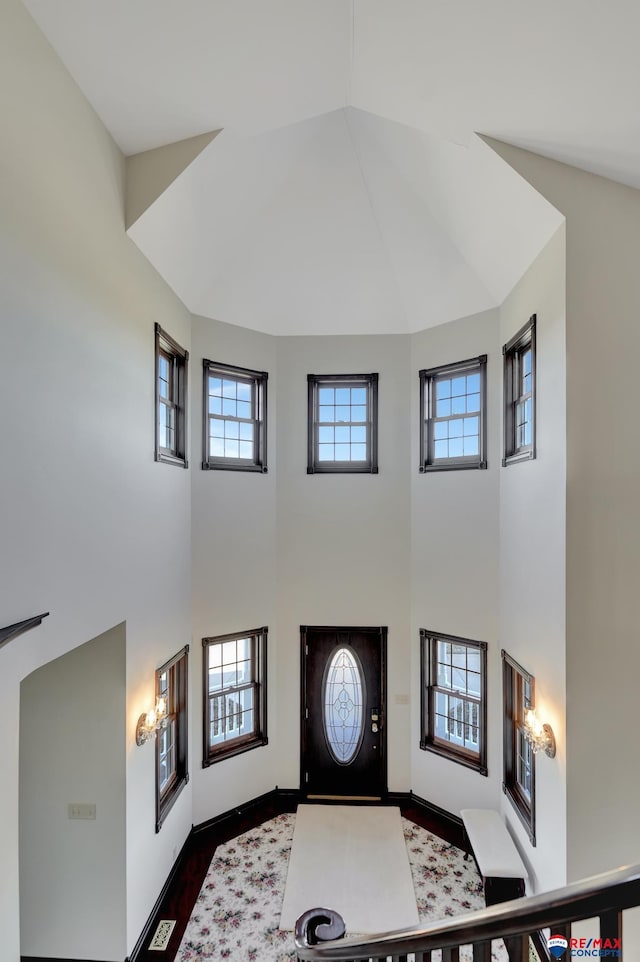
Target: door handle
{"points": [[375, 718]]}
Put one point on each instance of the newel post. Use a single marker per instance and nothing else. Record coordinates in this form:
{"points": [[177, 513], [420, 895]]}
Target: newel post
{"points": [[318, 925]]}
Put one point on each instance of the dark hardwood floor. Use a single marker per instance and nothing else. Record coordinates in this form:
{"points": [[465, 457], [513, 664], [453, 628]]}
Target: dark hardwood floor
{"points": [[195, 858]]}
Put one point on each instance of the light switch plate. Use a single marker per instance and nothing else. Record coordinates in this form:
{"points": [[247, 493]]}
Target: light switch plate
{"points": [[81, 810]]}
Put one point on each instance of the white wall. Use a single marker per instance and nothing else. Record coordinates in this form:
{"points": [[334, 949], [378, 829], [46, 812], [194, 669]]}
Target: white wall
{"points": [[72, 749], [603, 522], [93, 529], [454, 559], [343, 539], [532, 554], [234, 565], [305, 550], [99, 534]]}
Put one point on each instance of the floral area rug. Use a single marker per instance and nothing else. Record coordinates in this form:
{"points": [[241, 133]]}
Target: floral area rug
{"points": [[237, 912]]}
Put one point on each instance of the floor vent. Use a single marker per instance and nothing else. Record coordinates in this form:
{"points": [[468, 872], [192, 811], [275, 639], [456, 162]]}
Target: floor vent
{"points": [[160, 940]]}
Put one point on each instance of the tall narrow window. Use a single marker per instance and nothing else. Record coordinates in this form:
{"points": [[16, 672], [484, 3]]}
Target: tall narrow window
{"points": [[171, 399], [519, 759], [235, 693], [454, 705], [342, 424], [453, 416], [171, 740], [520, 395], [235, 418]]}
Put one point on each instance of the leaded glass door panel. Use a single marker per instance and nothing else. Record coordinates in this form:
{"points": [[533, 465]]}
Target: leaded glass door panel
{"points": [[343, 711]]}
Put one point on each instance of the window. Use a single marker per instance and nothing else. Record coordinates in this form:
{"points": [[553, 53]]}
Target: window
{"points": [[171, 400], [453, 674], [453, 415], [235, 693], [343, 424], [519, 759], [520, 395], [235, 418], [171, 740]]}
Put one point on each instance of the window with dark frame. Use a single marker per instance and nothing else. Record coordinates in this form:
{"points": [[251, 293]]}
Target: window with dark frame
{"points": [[453, 708], [171, 399], [518, 756], [235, 693], [453, 415], [235, 418], [520, 395], [342, 424], [172, 738]]}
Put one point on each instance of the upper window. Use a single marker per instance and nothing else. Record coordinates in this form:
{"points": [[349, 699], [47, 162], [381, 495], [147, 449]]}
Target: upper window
{"points": [[519, 759], [453, 701], [520, 395], [343, 423], [235, 693], [171, 740], [171, 400], [235, 418], [453, 415]]}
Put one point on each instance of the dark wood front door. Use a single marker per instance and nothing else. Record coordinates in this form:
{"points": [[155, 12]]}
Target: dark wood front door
{"points": [[343, 712]]}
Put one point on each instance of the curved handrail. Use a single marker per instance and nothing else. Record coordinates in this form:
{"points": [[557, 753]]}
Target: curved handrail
{"points": [[609, 891]]}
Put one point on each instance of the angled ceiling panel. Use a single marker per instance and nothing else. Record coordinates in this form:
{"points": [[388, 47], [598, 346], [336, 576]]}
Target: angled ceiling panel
{"points": [[347, 223], [158, 71], [435, 281]]}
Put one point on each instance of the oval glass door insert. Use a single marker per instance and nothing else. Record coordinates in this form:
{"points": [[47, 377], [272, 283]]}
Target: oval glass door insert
{"points": [[343, 706]]}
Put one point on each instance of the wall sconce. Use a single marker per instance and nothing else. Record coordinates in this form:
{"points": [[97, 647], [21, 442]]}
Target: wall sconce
{"points": [[151, 721], [539, 735]]}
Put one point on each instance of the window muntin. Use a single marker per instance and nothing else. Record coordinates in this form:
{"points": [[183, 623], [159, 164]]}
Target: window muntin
{"points": [[343, 423], [453, 704], [518, 756], [167, 404], [235, 401], [519, 394], [171, 739], [234, 693], [171, 399], [167, 759], [453, 415]]}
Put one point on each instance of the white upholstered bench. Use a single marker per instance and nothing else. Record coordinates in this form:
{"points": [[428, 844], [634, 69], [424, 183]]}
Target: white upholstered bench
{"points": [[503, 871]]}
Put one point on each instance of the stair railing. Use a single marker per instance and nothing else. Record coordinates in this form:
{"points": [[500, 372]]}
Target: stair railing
{"points": [[319, 932]]}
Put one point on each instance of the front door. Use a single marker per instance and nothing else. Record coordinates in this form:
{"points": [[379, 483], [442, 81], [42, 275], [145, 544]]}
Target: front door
{"points": [[343, 712]]}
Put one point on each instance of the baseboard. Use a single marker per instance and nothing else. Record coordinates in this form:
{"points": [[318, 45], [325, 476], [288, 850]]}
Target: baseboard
{"points": [[47, 958], [225, 821], [152, 921], [429, 808], [272, 796], [225, 818]]}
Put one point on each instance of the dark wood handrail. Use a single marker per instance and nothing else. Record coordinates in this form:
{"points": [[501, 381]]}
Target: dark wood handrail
{"points": [[12, 631], [601, 895]]}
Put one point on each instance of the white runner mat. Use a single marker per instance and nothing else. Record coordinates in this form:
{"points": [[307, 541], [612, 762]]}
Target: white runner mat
{"points": [[352, 859]]}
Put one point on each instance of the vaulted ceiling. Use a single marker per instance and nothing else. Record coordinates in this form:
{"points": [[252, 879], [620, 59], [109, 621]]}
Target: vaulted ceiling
{"points": [[348, 191]]}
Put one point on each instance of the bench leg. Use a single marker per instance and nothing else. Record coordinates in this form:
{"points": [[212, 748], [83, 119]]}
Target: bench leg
{"points": [[498, 889]]}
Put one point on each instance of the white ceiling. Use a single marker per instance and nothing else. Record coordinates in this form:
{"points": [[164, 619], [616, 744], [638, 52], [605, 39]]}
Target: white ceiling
{"points": [[348, 191], [346, 223], [560, 77]]}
